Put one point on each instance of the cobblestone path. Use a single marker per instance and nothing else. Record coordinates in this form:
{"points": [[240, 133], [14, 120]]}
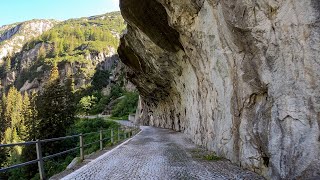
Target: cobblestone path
{"points": [[158, 154]]}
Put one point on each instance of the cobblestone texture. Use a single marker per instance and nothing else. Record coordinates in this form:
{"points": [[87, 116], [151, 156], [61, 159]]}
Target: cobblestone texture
{"points": [[158, 154]]}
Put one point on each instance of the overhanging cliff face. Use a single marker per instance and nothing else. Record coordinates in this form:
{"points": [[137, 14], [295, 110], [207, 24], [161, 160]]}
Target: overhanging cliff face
{"points": [[239, 77]]}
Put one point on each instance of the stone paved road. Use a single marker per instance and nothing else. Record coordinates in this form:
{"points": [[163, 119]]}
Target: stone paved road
{"points": [[158, 154]]}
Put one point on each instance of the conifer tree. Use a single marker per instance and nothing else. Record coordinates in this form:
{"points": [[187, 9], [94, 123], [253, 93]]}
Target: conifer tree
{"points": [[28, 152], [13, 116], [42, 53], [3, 123], [7, 66], [54, 74], [3, 151], [56, 109], [53, 36], [27, 115], [55, 50]]}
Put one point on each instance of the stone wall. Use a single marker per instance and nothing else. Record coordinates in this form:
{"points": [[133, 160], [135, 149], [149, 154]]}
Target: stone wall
{"points": [[241, 78]]}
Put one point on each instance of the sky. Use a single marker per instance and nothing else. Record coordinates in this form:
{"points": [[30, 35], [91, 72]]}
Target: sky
{"points": [[12, 11]]}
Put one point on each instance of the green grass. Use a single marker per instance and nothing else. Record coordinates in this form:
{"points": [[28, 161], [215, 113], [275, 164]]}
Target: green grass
{"points": [[211, 157], [125, 117], [203, 154]]}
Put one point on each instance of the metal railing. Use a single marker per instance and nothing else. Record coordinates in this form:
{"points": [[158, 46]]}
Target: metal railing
{"points": [[40, 159]]}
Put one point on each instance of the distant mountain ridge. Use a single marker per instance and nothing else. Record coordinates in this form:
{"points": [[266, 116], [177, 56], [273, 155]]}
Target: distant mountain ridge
{"points": [[14, 36]]}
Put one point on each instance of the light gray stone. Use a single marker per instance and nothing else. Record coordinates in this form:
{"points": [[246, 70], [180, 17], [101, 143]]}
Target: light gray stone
{"points": [[241, 77], [73, 163]]}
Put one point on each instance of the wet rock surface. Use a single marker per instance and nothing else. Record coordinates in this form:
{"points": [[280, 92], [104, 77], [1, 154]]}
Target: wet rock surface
{"points": [[158, 154]]}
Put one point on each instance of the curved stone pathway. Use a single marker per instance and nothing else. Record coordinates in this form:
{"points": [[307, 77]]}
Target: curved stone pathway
{"points": [[161, 154]]}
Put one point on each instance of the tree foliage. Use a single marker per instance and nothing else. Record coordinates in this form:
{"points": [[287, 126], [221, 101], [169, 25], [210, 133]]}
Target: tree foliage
{"points": [[55, 108], [13, 127], [100, 79], [86, 104], [30, 113], [7, 66], [127, 105], [54, 74], [13, 117]]}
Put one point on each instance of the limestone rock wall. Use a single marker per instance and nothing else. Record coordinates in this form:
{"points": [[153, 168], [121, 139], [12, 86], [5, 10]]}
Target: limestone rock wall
{"points": [[240, 77]]}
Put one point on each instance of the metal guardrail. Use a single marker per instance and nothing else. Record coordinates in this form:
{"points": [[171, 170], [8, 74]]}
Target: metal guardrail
{"points": [[40, 159]]}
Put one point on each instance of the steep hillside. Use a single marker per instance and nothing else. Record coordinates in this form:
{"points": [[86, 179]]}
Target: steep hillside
{"points": [[70, 70], [239, 77], [83, 50], [79, 47], [14, 36]]}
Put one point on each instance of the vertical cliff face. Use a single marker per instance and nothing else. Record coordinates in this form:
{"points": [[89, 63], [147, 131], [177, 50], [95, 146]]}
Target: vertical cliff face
{"points": [[239, 77]]}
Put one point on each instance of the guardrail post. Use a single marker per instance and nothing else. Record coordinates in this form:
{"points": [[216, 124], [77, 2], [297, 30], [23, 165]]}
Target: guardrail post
{"points": [[119, 135], [111, 136], [40, 160], [101, 143], [81, 148], [125, 135]]}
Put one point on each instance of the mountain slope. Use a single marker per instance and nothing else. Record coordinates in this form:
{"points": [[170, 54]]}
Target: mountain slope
{"points": [[77, 46], [14, 36]]}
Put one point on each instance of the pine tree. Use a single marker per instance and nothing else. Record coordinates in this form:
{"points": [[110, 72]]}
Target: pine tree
{"points": [[32, 132], [53, 36], [54, 74], [70, 97], [3, 123], [28, 152], [13, 116], [56, 113], [70, 45], [7, 66], [55, 50], [27, 115], [55, 108], [15, 129], [42, 53]]}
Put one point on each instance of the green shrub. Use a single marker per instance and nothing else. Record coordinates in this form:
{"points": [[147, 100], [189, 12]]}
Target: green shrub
{"points": [[85, 104], [56, 165], [93, 125], [127, 105], [100, 105], [116, 91]]}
